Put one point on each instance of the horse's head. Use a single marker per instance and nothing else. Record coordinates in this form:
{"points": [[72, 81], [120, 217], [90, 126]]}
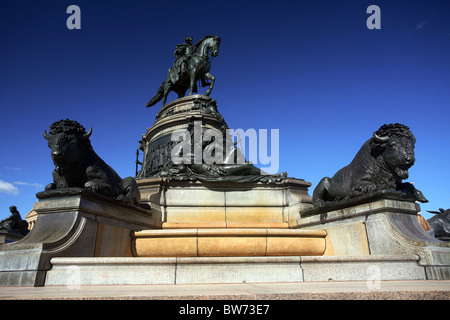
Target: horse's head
{"points": [[215, 46], [208, 43]]}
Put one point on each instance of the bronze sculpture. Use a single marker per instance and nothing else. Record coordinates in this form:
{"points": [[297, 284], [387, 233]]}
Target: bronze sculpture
{"points": [[78, 166], [380, 165], [440, 224], [183, 53], [14, 222], [192, 64]]}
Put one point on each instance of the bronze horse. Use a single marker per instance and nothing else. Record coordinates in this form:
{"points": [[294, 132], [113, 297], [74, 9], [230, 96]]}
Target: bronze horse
{"points": [[197, 69]]}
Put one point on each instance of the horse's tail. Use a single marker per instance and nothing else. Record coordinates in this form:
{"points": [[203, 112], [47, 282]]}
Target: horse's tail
{"points": [[159, 95]]}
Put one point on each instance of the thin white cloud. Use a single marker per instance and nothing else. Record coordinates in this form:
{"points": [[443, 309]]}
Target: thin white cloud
{"points": [[13, 168], [8, 188], [29, 184], [421, 24]]}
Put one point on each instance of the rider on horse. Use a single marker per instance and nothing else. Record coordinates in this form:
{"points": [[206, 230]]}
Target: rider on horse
{"points": [[192, 64], [183, 53]]}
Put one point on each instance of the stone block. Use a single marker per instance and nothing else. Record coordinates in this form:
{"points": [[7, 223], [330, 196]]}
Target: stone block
{"points": [[135, 271], [255, 215], [366, 268], [194, 197], [76, 224], [256, 197], [228, 242], [229, 246], [347, 240], [112, 241], [379, 226], [208, 270], [238, 270], [8, 237], [74, 272], [185, 204], [195, 215], [166, 244]]}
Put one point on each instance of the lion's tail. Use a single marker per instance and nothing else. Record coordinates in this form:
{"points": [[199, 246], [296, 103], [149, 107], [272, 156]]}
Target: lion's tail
{"points": [[159, 95]]}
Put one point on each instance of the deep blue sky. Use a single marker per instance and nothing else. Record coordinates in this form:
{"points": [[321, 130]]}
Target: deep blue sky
{"points": [[311, 69]]}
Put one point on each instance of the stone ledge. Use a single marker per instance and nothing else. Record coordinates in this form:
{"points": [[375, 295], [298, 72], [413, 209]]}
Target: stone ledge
{"points": [[78, 199], [362, 200], [377, 258], [210, 270], [330, 290], [225, 204], [382, 223], [9, 236], [228, 242], [228, 232], [71, 225], [198, 225]]}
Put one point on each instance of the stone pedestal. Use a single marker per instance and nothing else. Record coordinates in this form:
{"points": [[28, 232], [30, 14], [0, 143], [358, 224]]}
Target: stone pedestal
{"points": [[224, 208], [201, 270], [194, 114], [231, 242], [226, 219], [8, 237], [379, 225], [218, 223], [76, 224], [224, 204]]}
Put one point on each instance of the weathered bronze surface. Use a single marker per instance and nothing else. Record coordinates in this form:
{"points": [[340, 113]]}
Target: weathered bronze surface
{"points": [[14, 222], [78, 166], [192, 63], [380, 165], [196, 115], [440, 224]]}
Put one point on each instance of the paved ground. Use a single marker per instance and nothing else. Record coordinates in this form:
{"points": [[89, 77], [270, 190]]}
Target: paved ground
{"points": [[357, 290]]}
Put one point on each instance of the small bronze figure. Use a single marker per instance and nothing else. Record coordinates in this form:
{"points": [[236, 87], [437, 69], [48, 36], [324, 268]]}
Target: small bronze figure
{"points": [[183, 53], [440, 224], [14, 222]]}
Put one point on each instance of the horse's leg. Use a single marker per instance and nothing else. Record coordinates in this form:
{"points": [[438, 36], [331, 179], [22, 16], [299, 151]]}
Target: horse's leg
{"points": [[181, 92], [167, 88], [209, 76], [192, 80]]}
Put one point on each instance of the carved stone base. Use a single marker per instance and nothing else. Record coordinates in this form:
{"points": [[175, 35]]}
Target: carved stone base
{"points": [[207, 270], [190, 141], [228, 242], [75, 224], [184, 204], [8, 236], [226, 219], [181, 114], [379, 225]]}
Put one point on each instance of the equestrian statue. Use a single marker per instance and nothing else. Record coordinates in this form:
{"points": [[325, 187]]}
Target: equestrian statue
{"points": [[192, 63]]}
